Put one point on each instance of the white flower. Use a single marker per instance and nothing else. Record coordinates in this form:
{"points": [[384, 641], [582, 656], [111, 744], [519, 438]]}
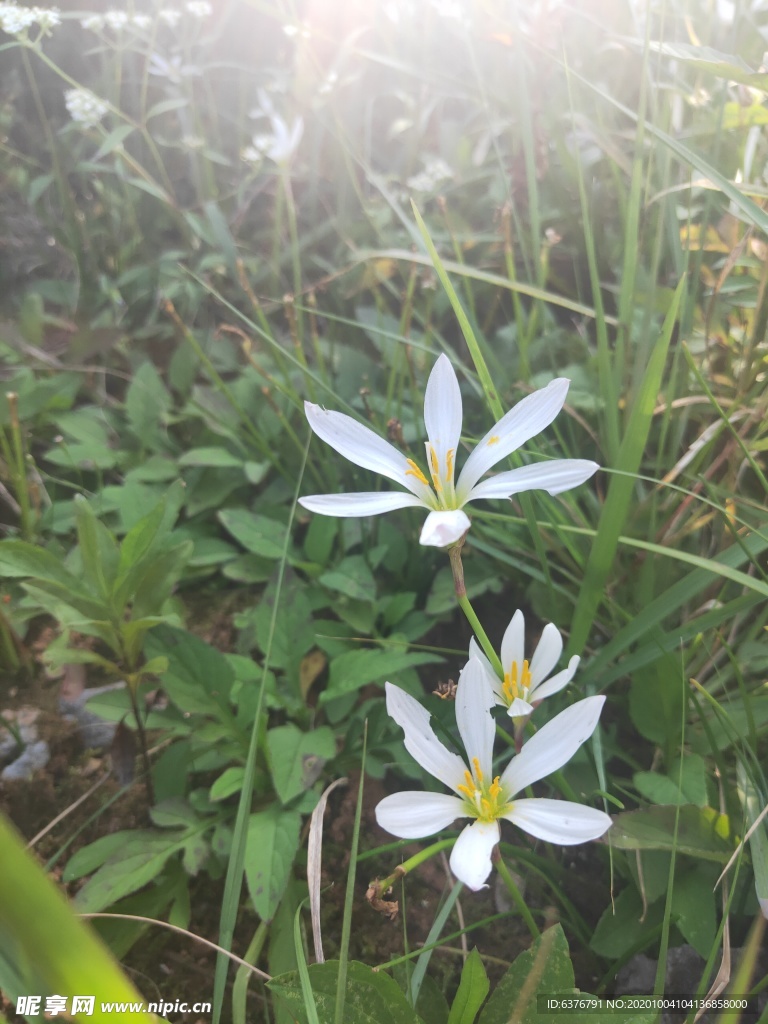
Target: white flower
{"points": [[14, 19], [279, 144], [444, 500], [526, 681], [93, 23], [47, 17], [199, 8], [85, 107], [170, 16], [141, 21], [479, 794], [436, 170], [116, 20]]}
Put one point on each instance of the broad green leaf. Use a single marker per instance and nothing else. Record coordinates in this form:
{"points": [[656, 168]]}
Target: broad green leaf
{"points": [[271, 845], [296, 758], [90, 857], [473, 988], [671, 788], [198, 678], [219, 457], [372, 997], [257, 534], [140, 859], [351, 577], [98, 549], [229, 782], [702, 832], [146, 403], [694, 905], [624, 923], [156, 583], [544, 968], [354, 669]]}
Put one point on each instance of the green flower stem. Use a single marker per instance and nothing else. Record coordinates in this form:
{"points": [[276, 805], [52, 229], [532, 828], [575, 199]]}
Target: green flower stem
{"points": [[383, 886], [514, 892], [454, 553]]}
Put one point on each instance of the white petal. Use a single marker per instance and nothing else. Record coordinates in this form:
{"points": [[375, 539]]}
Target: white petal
{"points": [[513, 644], [475, 651], [557, 682], [554, 476], [471, 854], [528, 418], [359, 503], [442, 413], [361, 446], [444, 528], [420, 740], [553, 745], [474, 700], [519, 708], [546, 655], [559, 821], [417, 814]]}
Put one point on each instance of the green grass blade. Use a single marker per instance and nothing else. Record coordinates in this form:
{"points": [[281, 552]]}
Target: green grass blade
{"points": [[617, 504], [234, 880], [349, 899]]}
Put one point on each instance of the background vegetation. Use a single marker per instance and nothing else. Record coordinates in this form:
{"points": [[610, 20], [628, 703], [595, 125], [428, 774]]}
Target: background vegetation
{"points": [[222, 228]]}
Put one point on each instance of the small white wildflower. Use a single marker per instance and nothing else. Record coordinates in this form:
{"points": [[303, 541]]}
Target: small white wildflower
{"points": [[141, 21], [199, 8], [14, 19], [93, 23], [297, 30], [47, 18], [435, 171], [252, 155], [170, 16], [328, 83], [116, 20], [85, 107]]}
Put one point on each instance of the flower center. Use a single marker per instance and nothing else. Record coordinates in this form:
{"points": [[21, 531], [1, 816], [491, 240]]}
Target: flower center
{"points": [[485, 801], [516, 683]]}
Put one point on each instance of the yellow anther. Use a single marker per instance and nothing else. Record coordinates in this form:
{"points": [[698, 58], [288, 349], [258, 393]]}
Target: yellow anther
{"points": [[449, 464], [434, 468], [486, 807], [495, 788], [478, 772], [415, 471], [470, 791], [493, 440]]}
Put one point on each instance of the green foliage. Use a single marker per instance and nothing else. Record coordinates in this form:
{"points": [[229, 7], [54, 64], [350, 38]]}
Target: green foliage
{"points": [[171, 298]]}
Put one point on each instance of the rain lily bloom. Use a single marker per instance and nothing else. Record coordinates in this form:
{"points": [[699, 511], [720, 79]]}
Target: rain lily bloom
{"points": [[444, 499], [479, 794], [526, 682]]}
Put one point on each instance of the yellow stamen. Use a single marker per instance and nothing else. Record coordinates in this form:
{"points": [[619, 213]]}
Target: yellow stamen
{"points": [[478, 772], [434, 469], [493, 440], [449, 464], [512, 687], [415, 471], [466, 789]]}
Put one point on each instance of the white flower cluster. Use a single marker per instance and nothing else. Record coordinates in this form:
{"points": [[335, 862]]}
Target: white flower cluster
{"points": [[199, 8], [14, 19], [436, 171], [85, 107], [118, 20]]}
